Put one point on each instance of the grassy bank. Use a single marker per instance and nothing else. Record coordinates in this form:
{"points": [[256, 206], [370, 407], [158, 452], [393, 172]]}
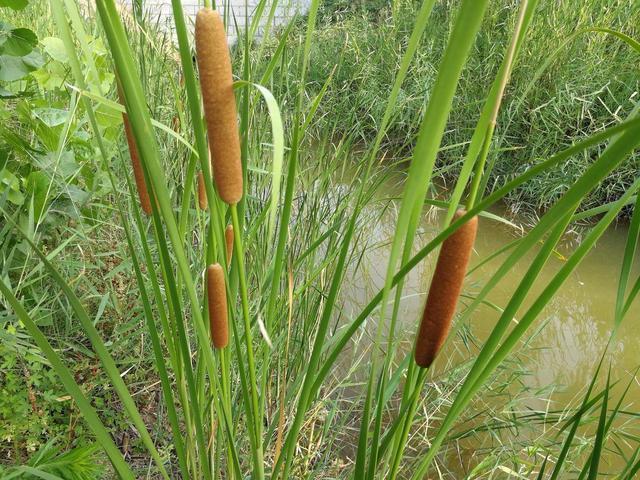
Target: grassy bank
{"points": [[568, 82]]}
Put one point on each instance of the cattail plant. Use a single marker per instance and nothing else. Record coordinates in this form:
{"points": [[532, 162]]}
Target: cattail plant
{"points": [[202, 192], [216, 81], [217, 301], [138, 174], [228, 237], [445, 289]]}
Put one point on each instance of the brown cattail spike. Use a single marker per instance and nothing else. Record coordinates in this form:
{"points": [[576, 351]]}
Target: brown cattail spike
{"points": [[217, 301], [216, 82], [446, 286], [143, 193], [202, 192], [228, 236]]}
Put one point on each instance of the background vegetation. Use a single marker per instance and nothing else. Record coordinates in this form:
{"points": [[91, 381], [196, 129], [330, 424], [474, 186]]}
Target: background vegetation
{"points": [[590, 81]]}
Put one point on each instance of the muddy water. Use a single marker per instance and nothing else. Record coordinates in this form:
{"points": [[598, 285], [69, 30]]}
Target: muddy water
{"points": [[567, 338]]}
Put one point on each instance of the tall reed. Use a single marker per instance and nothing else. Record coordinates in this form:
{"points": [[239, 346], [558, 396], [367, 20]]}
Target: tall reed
{"points": [[134, 154], [216, 83], [444, 292], [217, 300]]}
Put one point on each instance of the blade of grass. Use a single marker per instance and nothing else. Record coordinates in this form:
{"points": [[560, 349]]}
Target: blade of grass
{"points": [[633, 236], [600, 434]]}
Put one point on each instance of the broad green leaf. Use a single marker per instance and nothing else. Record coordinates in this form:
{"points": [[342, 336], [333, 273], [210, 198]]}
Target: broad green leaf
{"points": [[38, 186], [10, 186], [55, 49], [15, 68], [51, 76], [16, 41], [51, 117], [14, 4]]}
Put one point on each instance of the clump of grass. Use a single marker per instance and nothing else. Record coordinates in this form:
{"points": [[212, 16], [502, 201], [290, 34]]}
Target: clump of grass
{"points": [[216, 83], [590, 80], [444, 292]]}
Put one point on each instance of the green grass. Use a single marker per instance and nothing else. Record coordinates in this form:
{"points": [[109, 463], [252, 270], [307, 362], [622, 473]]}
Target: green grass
{"points": [[588, 83], [278, 402]]}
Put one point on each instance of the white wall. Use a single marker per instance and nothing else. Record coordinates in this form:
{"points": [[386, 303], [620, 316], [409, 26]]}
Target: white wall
{"points": [[284, 10]]}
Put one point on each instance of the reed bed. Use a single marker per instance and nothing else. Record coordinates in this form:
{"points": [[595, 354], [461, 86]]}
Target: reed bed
{"points": [[246, 355]]}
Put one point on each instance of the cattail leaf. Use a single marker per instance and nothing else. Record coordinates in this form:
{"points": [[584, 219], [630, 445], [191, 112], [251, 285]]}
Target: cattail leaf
{"points": [[118, 107], [631, 246], [277, 133]]}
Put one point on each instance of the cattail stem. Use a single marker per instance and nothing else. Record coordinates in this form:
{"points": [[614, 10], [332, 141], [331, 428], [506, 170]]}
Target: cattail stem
{"points": [[202, 192], [445, 289], [216, 82], [138, 174], [217, 301], [228, 237]]}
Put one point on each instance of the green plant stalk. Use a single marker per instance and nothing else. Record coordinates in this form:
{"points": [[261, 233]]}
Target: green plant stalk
{"points": [[516, 41], [142, 129], [633, 237], [57, 10], [278, 259], [185, 203], [483, 133], [311, 385], [375, 442], [482, 158], [412, 405], [255, 403], [575, 423], [155, 339], [291, 176], [406, 255], [76, 21], [605, 424], [196, 421]]}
